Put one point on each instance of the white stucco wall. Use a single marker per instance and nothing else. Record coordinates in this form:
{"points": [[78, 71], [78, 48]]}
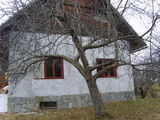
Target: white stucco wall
{"points": [[3, 103], [73, 82]]}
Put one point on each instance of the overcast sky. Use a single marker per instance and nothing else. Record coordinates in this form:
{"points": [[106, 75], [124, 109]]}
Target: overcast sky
{"points": [[4, 4], [7, 8]]}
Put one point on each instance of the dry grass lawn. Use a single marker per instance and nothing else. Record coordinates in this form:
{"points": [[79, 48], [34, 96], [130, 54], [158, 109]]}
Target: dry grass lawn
{"points": [[147, 109]]}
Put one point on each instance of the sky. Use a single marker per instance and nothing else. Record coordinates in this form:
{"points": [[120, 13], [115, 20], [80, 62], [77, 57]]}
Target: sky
{"points": [[8, 7], [3, 4]]}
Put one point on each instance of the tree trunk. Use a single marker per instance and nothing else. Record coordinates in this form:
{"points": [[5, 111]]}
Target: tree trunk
{"points": [[96, 98], [143, 95], [93, 89]]}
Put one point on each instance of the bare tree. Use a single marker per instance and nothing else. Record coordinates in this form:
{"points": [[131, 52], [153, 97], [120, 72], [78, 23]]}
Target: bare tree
{"points": [[99, 21], [148, 74]]}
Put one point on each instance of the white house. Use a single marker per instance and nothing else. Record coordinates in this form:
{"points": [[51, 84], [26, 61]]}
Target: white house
{"points": [[55, 83]]}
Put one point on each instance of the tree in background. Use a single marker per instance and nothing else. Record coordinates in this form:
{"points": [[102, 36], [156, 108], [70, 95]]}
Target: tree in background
{"points": [[148, 74]]}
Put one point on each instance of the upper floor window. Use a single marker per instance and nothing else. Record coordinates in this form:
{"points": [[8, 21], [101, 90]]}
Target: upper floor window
{"points": [[111, 72], [53, 68]]}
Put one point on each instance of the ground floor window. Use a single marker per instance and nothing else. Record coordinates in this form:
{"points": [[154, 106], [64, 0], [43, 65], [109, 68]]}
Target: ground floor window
{"points": [[53, 68], [48, 105], [111, 72]]}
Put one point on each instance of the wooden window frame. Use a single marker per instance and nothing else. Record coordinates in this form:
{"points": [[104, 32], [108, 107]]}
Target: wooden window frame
{"points": [[62, 70], [102, 67]]}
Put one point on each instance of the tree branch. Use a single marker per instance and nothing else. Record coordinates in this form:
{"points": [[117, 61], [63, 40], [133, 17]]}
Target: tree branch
{"points": [[73, 62]]}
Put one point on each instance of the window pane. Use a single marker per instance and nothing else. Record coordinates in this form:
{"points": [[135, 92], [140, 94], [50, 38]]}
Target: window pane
{"points": [[112, 72], [53, 68], [49, 67], [57, 68], [48, 105], [106, 74]]}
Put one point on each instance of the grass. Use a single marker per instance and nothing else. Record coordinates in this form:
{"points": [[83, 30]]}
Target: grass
{"points": [[158, 93], [146, 109]]}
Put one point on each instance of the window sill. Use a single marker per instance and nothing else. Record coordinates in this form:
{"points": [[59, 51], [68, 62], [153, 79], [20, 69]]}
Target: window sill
{"points": [[49, 78], [109, 77]]}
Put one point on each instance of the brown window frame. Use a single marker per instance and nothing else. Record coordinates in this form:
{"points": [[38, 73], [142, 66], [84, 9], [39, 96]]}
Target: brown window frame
{"points": [[108, 72], [53, 69]]}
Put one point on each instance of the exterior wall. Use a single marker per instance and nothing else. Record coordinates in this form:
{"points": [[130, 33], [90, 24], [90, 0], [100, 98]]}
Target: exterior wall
{"points": [[3, 103], [73, 83], [72, 90], [30, 104]]}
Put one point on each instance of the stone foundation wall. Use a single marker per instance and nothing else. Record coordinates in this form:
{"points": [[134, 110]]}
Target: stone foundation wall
{"points": [[30, 104]]}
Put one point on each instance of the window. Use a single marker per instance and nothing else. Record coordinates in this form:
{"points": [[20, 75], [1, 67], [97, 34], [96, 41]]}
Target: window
{"points": [[112, 72], [48, 105], [53, 68]]}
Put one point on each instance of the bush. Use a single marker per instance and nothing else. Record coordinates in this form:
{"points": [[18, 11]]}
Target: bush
{"points": [[154, 92]]}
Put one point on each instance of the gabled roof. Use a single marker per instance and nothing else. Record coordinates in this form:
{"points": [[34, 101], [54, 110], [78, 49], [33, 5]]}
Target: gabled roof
{"points": [[44, 21]]}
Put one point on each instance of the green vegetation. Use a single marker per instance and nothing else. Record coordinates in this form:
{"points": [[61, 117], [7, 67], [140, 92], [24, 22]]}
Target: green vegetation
{"points": [[142, 109], [155, 91]]}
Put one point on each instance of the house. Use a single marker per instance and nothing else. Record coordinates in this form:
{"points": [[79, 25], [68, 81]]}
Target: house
{"points": [[3, 73], [3, 61], [39, 29], [3, 83]]}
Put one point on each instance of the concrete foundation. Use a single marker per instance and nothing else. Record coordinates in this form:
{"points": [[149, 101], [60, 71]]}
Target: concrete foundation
{"points": [[31, 104]]}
